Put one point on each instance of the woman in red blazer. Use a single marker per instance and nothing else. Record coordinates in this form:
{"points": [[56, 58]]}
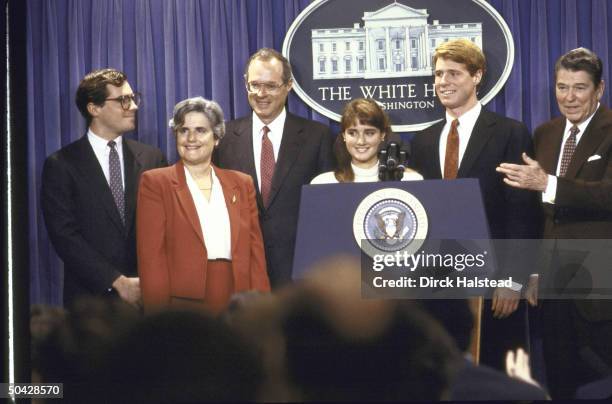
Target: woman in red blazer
{"points": [[198, 233]]}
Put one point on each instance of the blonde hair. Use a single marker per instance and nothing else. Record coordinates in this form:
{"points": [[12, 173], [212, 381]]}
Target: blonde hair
{"points": [[462, 51]]}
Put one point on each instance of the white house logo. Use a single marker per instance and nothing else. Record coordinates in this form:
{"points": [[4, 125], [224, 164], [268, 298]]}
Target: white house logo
{"points": [[383, 49], [390, 220]]}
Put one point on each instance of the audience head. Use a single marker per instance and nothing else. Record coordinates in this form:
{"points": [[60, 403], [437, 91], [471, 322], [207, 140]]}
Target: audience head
{"points": [[198, 126], [342, 347], [578, 84], [459, 66], [268, 81], [69, 347], [182, 356], [104, 97], [363, 128]]}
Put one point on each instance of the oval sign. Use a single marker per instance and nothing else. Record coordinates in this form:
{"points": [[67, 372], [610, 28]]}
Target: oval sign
{"points": [[381, 49]]}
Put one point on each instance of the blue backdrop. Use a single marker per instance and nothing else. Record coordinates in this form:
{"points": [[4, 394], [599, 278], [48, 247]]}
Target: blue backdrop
{"points": [[174, 49]]}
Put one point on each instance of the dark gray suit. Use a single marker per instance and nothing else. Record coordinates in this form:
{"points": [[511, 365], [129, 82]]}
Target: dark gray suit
{"points": [[305, 152], [82, 219]]}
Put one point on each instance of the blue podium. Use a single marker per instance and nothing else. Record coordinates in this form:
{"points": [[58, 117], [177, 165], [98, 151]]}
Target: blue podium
{"points": [[454, 211]]}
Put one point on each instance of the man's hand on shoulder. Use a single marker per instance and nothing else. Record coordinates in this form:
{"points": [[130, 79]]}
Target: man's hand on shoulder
{"points": [[129, 290]]}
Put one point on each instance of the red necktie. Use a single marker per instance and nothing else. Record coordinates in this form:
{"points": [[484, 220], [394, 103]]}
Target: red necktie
{"points": [[568, 151], [451, 159], [267, 165]]}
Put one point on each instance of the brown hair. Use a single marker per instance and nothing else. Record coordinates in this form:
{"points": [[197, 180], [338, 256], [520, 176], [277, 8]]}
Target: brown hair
{"points": [[462, 51], [367, 112], [581, 59], [267, 54], [93, 89]]}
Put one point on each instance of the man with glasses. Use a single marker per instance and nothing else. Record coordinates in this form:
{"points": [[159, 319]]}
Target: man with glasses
{"points": [[280, 151], [88, 192]]}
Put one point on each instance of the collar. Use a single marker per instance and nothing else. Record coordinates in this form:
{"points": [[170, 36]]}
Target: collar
{"points": [[276, 126], [582, 125], [193, 186], [365, 172], [99, 143], [467, 120]]}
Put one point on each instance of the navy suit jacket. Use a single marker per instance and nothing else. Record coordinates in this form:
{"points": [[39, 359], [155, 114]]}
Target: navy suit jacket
{"points": [[305, 152], [82, 219], [512, 213]]}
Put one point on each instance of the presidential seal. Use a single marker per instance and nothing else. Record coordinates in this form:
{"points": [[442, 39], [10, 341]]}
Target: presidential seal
{"points": [[390, 220]]}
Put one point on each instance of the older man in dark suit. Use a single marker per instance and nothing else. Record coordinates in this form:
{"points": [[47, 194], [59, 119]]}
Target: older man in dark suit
{"points": [[470, 143], [573, 171], [88, 193], [281, 151]]}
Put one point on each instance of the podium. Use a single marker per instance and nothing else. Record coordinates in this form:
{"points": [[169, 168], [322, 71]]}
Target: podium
{"points": [[454, 210]]}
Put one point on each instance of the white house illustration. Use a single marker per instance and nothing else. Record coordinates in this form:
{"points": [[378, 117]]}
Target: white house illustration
{"points": [[395, 41]]}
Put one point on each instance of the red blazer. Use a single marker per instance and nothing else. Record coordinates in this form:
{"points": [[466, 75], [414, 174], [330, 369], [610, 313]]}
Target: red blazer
{"points": [[172, 258]]}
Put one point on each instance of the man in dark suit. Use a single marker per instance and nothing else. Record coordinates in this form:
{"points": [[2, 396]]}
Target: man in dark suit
{"points": [[573, 171], [281, 151], [470, 143], [88, 193]]}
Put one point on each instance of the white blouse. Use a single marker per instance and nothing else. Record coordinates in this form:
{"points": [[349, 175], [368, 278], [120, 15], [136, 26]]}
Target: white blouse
{"points": [[362, 175], [214, 218]]}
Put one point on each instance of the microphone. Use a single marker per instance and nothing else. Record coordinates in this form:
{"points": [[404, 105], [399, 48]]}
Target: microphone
{"points": [[391, 163], [392, 157], [401, 167], [382, 165]]}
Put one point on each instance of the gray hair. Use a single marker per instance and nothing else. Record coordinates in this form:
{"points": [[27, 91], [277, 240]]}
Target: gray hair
{"points": [[210, 109], [265, 55]]}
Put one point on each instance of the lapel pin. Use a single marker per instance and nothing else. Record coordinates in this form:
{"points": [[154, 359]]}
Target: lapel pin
{"points": [[234, 198]]}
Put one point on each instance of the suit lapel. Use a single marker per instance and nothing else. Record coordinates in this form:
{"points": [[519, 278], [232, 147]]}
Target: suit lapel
{"points": [[287, 155], [94, 178], [433, 135], [232, 201], [185, 200], [243, 138], [548, 155], [481, 133], [591, 139], [132, 169]]}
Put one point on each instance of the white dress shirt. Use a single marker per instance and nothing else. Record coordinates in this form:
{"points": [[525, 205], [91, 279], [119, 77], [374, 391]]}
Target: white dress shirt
{"points": [[102, 151], [275, 135], [214, 218], [548, 196], [466, 125]]}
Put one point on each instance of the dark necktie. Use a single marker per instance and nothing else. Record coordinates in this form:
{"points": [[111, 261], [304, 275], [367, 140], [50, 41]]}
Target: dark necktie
{"points": [[266, 165], [451, 159], [568, 151], [116, 186]]}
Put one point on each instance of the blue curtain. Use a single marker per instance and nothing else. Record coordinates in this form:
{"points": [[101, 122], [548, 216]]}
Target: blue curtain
{"points": [[174, 49]]}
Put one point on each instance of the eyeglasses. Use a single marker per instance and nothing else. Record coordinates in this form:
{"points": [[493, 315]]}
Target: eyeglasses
{"points": [[254, 87], [126, 100]]}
